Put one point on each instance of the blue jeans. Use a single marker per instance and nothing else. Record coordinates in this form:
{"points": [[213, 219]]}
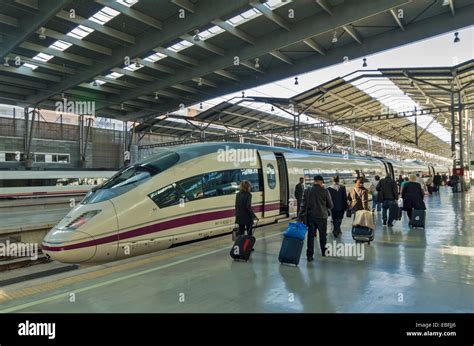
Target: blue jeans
{"points": [[375, 204], [386, 206]]}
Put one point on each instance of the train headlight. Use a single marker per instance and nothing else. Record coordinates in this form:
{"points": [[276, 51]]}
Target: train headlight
{"points": [[81, 220]]}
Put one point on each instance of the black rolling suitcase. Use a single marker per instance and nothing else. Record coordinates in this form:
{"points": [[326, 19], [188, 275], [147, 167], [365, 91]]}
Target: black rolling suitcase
{"points": [[362, 234], [290, 251], [395, 212], [242, 248], [418, 218]]}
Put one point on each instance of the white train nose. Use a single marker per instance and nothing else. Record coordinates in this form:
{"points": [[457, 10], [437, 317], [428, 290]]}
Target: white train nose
{"points": [[69, 246]]}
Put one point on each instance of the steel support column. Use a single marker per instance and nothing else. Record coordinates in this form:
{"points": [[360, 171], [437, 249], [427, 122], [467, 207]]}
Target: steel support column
{"points": [[461, 142]]}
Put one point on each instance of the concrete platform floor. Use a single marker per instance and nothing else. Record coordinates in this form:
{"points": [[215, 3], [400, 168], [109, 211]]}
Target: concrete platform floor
{"points": [[404, 270]]}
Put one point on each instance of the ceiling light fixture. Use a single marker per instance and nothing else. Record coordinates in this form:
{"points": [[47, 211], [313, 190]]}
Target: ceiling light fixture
{"points": [[94, 83], [41, 35], [200, 81], [121, 106], [456, 37], [200, 105], [196, 35], [296, 81], [137, 63], [365, 62], [334, 37], [273, 109], [243, 94], [156, 95], [257, 63]]}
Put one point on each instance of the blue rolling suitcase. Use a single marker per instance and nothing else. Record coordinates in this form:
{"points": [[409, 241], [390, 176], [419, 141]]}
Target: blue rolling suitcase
{"points": [[418, 218], [290, 251]]}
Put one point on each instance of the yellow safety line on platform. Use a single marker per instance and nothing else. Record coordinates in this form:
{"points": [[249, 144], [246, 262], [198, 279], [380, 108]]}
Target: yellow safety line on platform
{"points": [[63, 282]]}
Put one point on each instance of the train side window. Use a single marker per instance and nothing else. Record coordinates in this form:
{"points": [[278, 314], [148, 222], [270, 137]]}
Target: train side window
{"points": [[271, 176], [167, 196], [254, 176], [193, 187], [220, 183]]}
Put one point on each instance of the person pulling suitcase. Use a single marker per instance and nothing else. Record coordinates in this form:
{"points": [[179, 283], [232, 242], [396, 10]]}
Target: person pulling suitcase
{"points": [[314, 212]]}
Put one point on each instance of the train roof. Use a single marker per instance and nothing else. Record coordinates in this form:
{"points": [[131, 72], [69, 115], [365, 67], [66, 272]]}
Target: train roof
{"points": [[191, 151]]}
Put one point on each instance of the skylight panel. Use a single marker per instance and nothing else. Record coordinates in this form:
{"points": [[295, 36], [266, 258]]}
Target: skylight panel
{"points": [[206, 34], [244, 17], [114, 75], [133, 67], [104, 15], [155, 57], [99, 82], [80, 32], [273, 4], [60, 45], [43, 57], [180, 46], [128, 3], [33, 67]]}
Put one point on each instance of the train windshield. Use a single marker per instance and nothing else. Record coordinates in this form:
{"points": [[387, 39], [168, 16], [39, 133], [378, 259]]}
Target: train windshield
{"points": [[130, 177]]}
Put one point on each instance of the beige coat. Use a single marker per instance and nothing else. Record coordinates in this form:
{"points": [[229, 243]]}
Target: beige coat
{"points": [[364, 218]]}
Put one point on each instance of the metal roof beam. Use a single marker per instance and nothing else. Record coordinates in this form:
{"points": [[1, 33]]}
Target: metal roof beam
{"points": [[270, 14], [26, 71], [315, 46], [279, 55], [4, 19], [353, 33], [132, 13], [55, 52], [397, 19], [324, 4], [233, 30], [80, 43], [46, 65], [29, 24], [203, 44], [227, 74], [173, 27], [186, 4], [177, 56]]}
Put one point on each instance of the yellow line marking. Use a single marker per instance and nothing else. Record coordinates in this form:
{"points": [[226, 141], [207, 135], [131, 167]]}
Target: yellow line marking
{"points": [[75, 279]]}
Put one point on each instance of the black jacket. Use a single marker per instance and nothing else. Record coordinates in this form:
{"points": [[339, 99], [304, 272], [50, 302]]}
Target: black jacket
{"points": [[388, 190], [339, 198], [244, 214], [413, 195], [316, 202], [437, 179], [299, 190]]}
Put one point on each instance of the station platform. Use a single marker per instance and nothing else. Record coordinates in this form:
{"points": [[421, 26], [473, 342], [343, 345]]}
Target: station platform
{"points": [[404, 270]]}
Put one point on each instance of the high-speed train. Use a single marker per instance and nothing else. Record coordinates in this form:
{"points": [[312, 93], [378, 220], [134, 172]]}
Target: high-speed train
{"points": [[188, 192]]}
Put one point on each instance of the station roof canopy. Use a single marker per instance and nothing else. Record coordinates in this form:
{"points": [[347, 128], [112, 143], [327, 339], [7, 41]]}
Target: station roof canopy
{"points": [[135, 59]]}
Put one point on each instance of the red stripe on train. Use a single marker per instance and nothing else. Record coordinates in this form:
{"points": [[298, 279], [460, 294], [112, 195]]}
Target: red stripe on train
{"points": [[162, 226]]}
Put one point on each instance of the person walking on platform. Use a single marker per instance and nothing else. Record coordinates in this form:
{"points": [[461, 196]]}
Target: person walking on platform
{"points": [[412, 195], [429, 184], [244, 215], [387, 194], [314, 213], [420, 181], [358, 197], [339, 200], [437, 182], [299, 190], [373, 191]]}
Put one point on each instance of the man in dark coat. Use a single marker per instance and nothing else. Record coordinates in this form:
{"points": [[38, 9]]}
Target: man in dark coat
{"points": [[387, 194], [412, 195], [299, 190], [314, 213], [437, 182], [339, 199]]}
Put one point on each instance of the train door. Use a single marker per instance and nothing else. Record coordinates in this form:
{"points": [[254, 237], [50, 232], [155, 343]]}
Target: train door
{"points": [[271, 184], [283, 177], [391, 171]]}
